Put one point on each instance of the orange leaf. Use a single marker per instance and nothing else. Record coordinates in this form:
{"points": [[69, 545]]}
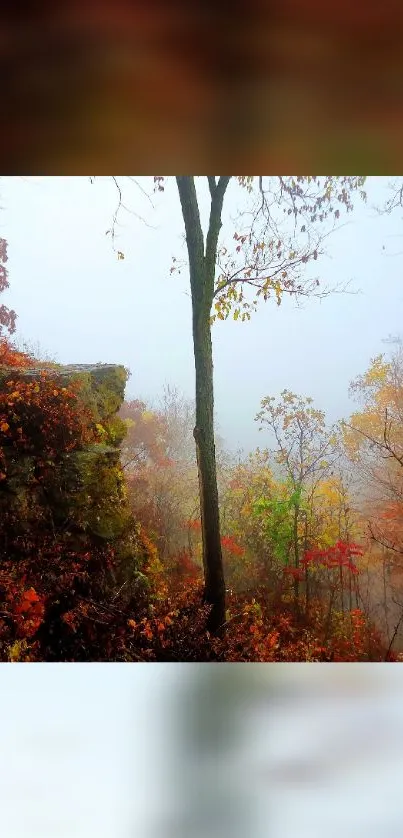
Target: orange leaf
{"points": [[31, 595]]}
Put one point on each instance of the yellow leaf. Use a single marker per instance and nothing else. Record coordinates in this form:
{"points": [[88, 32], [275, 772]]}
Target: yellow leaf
{"points": [[278, 290], [17, 650]]}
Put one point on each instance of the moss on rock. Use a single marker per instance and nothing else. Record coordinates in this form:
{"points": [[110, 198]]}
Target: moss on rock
{"points": [[82, 490]]}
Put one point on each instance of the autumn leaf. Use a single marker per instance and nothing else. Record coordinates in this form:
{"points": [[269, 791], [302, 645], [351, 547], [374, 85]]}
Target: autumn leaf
{"points": [[31, 595]]}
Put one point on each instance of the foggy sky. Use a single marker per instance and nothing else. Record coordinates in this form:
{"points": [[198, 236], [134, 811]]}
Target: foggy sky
{"points": [[85, 749], [83, 305]]}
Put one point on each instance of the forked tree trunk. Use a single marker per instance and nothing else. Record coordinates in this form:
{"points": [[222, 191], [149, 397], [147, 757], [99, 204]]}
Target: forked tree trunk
{"points": [[202, 262]]}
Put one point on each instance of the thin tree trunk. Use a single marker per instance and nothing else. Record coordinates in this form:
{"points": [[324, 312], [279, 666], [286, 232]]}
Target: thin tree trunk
{"points": [[202, 265], [307, 593], [385, 597], [341, 589], [397, 626], [329, 614], [307, 580], [296, 558]]}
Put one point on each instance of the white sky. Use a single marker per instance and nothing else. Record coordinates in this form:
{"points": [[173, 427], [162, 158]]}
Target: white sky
{"points": [[82, 305], [76, 746], [85, 749]]}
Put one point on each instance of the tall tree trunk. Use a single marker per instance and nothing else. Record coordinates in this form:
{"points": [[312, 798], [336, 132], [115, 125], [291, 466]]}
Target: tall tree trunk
{"points": [[296, 557], [202, 263], [307, 585], [206, 462]]}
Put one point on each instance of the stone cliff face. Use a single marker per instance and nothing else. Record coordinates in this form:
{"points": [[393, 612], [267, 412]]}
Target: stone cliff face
{"points": [[67, 535], [83, 485]]}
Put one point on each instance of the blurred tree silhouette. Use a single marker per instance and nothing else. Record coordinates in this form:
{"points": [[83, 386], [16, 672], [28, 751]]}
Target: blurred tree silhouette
{"points": [[212, 713]]}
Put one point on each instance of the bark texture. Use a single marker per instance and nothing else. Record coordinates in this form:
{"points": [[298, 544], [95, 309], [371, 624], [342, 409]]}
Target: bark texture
{"points": [[202, 262]]}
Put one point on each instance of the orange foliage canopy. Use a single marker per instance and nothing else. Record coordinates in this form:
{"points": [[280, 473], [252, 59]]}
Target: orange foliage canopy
{"points": [[11, 357], [40, 415]]}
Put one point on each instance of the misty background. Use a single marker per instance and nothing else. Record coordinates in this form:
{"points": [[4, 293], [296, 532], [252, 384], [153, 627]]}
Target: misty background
{"points": [[82, 304], [96, 751]]}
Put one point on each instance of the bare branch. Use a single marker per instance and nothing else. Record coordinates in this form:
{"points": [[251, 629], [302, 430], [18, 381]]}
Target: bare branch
{"points": [[134, 180], [115, 215], [398, 624], [122, 206], [385, 445], [379, 540], [395, 201]]}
